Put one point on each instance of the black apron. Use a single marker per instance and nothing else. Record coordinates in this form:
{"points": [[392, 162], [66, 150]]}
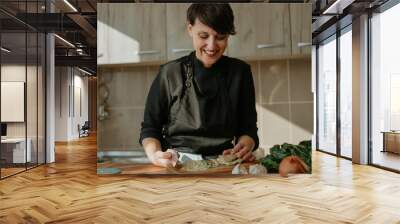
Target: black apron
{"points": [[200, 120]]}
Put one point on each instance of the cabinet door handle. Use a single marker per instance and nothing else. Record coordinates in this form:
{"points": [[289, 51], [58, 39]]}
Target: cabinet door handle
{"points": [[260, 46], [147, 52], [303, 44], [179, 50], [100, 55]]}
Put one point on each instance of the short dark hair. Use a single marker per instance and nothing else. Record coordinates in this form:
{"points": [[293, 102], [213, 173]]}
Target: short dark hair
{"points": [[218, 16]]}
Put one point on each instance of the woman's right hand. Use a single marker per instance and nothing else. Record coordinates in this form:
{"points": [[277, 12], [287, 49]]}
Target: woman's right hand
{"points": [[164, 159], [152, 147]]}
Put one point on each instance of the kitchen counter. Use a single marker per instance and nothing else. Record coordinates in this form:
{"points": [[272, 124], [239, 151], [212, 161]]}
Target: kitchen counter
{"points": [[146, 169], [136, 162]]}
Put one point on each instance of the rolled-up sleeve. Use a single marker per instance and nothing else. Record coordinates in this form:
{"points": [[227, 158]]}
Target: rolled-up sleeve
{"points": [[156, 109], [247, 122]]}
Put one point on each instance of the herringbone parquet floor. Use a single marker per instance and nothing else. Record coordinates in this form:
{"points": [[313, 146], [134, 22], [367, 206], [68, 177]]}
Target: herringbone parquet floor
{"points": [[69, 191]]}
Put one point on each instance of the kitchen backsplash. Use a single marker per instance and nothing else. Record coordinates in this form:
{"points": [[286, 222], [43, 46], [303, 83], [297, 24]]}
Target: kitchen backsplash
{"points": [[283, 95]]}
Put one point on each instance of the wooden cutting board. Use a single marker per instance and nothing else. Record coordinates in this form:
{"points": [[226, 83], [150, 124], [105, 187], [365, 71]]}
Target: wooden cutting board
{"points": [[152, 169]]}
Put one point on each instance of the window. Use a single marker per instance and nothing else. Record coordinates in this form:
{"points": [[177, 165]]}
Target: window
{"points": [[385, 88], [346, 92], [327, 96], [22, 66]]}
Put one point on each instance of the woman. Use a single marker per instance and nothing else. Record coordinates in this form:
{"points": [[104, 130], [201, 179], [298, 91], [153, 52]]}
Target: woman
{"points": [[202, 104]]}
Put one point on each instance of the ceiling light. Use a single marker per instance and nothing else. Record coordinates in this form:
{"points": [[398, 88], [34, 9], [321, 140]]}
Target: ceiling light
{"points": [[70, 5], [64, 40], [86, 72], [5, 49]]}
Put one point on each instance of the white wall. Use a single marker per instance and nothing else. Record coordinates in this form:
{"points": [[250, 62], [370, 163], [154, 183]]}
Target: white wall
{"points": [[33, 126], [70, 83], [13, 73], [61, 103], [79, 117], [16, 73]]}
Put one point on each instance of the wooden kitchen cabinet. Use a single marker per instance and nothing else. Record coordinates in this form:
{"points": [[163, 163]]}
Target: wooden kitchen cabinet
{"points": [[300, 16], [179, 43], [156, 33], [102, 33], [263, 31], [135, 33]]}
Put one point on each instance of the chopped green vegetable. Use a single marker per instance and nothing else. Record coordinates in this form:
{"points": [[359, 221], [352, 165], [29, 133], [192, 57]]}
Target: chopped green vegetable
{"points": [[270, 163], [278, 152]]}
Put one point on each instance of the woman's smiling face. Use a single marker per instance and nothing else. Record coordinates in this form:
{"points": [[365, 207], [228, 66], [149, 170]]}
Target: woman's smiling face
{"points": [[209, 44]]}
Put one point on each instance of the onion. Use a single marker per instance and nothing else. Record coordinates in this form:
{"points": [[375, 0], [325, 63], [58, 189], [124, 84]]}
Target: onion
{"points": [[292, 164], [239, 169]]}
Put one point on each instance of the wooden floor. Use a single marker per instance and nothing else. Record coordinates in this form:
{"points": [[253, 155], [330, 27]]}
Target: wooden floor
{"points": [[69, 191], [387, 159], [5, 172], [8, 171]]}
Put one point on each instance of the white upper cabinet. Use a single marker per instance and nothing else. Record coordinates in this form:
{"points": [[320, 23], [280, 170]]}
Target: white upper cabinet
{"points": [[179, 43], [300, 15], [136, 33], [263, 31]]}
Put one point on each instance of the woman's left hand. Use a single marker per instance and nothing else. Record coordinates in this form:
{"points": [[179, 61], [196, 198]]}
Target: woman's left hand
{"points": [[243, 149]]}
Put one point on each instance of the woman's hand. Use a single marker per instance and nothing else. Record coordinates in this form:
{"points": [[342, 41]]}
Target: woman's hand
{"points": [[152, 147], [164, 159], [243, 149]]}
